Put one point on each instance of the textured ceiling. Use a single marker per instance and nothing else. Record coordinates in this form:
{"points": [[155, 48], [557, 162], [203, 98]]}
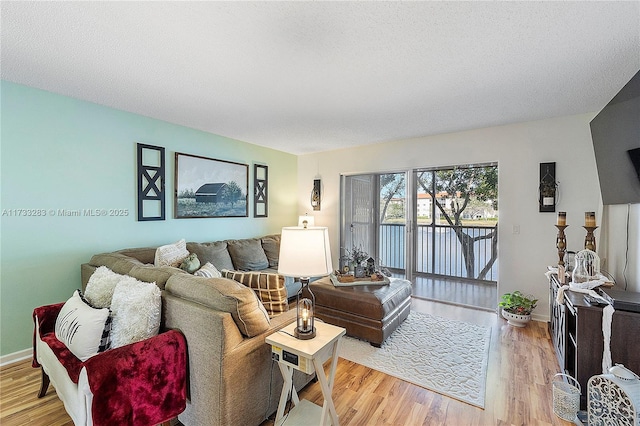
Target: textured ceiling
{"points": [[304, 77]]}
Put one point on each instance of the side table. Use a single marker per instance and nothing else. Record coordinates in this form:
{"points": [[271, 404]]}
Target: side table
{"points": [[307, 356]]}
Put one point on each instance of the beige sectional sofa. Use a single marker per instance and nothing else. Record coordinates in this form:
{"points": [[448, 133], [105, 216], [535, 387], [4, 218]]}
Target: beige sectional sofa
{"points": [[232, 379]]}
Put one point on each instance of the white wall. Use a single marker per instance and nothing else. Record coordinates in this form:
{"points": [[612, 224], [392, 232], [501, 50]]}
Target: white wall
{"points": [[518, 149]]}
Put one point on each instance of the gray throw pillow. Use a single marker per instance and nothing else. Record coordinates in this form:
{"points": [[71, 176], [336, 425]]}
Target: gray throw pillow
{"points": [[247, 255], [215, 253], [271, 246]]}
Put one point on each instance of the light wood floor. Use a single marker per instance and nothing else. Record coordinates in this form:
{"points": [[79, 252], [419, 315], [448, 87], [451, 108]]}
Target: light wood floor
{"points": [[479, 295], [521, 366]]}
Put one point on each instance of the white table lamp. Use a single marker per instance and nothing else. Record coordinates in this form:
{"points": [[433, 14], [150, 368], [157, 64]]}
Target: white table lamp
{"points": [[305, 253]]}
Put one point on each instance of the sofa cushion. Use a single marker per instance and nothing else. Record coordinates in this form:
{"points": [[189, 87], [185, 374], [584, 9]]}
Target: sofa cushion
{"points": [[117, 262], [171, 254], [83, 329], [100, 287], [247, 254], [271, 247], [152, 274], [223, 295], [136, 309], [208, 271], [215, 253], [270, 289], [146, 255]]}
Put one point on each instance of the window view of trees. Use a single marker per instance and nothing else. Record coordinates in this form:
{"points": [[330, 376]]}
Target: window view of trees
{"points": [[465, 197], [392, 196], [462, 199]]}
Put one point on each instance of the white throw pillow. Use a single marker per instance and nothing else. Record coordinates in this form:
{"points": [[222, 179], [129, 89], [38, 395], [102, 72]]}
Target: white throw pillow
{"points": [[135, 307], [171, 254], [84, 330], [208, 271], [100, 286]]}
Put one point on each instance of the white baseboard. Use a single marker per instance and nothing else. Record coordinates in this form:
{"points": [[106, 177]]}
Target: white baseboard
{"points": [[16, 357]]}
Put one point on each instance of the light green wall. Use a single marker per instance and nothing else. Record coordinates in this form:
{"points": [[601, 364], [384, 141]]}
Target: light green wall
{"points": [[62, 153]]}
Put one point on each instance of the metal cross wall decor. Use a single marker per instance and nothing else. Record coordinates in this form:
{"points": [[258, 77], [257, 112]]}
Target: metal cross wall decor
{"points": [[151, 188], [260, 195]]}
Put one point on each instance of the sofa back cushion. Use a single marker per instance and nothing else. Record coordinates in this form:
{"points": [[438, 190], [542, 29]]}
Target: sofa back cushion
{"points": [[215, 253], [269, 288], [224, 295], [145, 255], [271, 246], [154, 274], [117, 262], [247, 254]]}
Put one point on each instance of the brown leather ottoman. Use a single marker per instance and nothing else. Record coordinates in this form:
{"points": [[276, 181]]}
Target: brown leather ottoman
{"points": [[369, 312]]}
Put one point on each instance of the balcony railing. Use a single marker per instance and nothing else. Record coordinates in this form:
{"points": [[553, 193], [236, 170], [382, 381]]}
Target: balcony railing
{"points": [[438, 250]]}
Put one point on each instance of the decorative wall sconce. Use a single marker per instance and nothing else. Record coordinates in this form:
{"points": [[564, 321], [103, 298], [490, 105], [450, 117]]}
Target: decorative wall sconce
{"points": [[315, 195], [548, 188]]}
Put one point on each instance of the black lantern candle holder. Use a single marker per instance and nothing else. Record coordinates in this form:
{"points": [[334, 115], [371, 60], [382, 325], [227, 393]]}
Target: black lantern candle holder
{"points": [[305, 314]]}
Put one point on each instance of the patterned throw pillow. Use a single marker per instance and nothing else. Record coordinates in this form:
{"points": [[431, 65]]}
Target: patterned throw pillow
{"points": [[269, 287], [83, 329], [208, 271], [171, 254]]}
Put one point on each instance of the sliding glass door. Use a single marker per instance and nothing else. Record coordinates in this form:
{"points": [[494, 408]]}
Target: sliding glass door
{"points": [[358, 227], [374, 218], [456, 231], [439, 222]]}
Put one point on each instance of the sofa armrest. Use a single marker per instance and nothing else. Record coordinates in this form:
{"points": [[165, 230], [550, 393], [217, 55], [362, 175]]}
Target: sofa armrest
{"points": [[46, 317], [141, 383]]}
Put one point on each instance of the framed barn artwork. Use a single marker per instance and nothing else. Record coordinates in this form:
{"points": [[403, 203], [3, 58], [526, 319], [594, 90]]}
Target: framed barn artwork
{"points": [[206, 187]]}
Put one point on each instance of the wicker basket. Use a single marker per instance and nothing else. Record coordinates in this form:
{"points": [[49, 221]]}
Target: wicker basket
{"points": [[566, 397]]}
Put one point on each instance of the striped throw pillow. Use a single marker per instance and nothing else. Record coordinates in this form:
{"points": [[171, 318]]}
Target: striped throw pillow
{"points": [[208, 271]]}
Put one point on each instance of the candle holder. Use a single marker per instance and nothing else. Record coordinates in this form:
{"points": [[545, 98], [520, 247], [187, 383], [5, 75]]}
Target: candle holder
{"points": [[561, 244], [590, 239]]}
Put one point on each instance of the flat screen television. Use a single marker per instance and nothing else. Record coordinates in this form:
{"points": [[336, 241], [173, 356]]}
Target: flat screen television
{"points": [[615, 132]]}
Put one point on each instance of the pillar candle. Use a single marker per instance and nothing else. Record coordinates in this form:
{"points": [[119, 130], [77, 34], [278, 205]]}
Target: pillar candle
{"points": [[562, 219], [589, 219]]}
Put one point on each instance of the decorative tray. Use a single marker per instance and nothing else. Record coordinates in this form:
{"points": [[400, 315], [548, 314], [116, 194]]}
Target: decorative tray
{"points": [[350, 280]]}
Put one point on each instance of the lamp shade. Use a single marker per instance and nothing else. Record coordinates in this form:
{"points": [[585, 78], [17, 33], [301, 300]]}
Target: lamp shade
{"points": [[305, 252]]}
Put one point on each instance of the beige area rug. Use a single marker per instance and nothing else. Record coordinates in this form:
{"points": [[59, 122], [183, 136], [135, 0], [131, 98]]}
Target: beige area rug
{"points": [[446, 356]]}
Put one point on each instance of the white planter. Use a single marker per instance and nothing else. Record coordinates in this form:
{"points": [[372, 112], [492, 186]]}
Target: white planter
{"points": [[515, 319]]}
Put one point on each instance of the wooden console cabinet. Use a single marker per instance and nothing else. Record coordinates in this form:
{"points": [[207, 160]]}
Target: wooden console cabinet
{"points": [[576, 333]]}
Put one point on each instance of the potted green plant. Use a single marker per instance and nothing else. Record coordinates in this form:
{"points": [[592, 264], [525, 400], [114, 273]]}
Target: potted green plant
{"points": [[517, 308]]}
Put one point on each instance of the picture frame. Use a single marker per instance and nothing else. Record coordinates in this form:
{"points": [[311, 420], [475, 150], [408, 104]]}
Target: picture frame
{"points": [[207, 187]]}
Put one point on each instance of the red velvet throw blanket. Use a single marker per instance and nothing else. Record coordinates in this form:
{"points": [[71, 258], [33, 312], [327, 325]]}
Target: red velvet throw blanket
{"points": [[144, 383]]}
